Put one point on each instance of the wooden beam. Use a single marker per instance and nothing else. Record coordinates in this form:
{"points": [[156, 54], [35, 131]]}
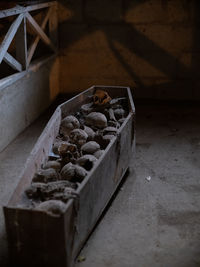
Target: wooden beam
{"points": [[21, 44], [39, 31], [33, 46], [9, 36], [18, 9], [53, 25], [10, 60]]}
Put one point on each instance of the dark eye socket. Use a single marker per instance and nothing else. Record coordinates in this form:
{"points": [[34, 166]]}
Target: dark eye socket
{"points": [[96, 98], [105, 96]]}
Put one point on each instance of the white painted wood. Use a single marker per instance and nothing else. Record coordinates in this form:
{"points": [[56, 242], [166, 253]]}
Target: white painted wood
{"points": [[33, 46], [39, 31], [9, 36], [10, 60], [8, 81], [21, 44], [18, 9]]}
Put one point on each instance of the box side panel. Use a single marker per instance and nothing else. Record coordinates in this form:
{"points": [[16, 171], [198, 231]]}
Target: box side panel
{"points": [[102, 183], [38, 239]]}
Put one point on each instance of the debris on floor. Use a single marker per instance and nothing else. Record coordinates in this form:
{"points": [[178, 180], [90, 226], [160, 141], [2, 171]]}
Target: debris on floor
{"points": [[81, 258], [148, 178]]}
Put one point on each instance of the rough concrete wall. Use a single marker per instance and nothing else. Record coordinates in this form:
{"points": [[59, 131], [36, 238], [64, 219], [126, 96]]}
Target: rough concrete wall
{"points": [[152, 46], [24, 100]]}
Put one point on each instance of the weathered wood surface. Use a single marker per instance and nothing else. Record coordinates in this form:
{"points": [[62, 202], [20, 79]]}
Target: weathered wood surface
{"points": [[10, 60], [19, 9], [9, 36], [18, 30], [37, 239]]}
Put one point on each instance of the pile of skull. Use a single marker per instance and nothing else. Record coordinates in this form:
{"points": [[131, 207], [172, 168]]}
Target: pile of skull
{"points": [[82, 140]]}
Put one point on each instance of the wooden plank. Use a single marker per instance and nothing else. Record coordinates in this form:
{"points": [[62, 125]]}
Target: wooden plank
{"points": [[32, 48], [18, 9], [9, 36], [53, 26], [39, 31], [21, 44], [10, 60]]}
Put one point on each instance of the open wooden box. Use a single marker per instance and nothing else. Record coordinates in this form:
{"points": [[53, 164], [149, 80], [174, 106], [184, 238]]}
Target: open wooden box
{"points": [[38, 239]]}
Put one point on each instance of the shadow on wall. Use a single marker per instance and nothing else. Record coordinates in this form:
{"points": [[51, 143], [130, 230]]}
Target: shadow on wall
{"points": [[151, 45]]}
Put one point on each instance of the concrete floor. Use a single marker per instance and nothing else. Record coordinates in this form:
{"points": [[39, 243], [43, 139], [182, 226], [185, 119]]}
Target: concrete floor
{"points": [[149, 223]]}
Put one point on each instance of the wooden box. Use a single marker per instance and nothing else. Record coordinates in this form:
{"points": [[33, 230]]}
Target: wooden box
{"points": [[38, 239]]}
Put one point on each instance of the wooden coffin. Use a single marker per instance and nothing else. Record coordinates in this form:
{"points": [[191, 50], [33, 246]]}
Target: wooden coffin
{"points": [[37, 239]]}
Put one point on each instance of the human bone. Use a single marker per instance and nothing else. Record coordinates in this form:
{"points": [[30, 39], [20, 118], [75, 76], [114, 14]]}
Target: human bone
{"points": [[73, 172], [64, 147], [89, 132], [96, 119], [113, 124], [70, 157], [80, 173], [87, 161], [86, 108], [111, 114], [119, 113], [68, 172], [44, 191], [108, 137], [52, 164], [52, 207], [90, 147], [101, 97], [99, 153], [56, 145], [78, 136], [110, 131], [68, 124], [116, 101], [121, 121], [67, 194], [45, 176]]}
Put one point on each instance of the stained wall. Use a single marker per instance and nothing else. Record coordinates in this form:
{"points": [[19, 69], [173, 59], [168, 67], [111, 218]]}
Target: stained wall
{"points": [[151, 46]]}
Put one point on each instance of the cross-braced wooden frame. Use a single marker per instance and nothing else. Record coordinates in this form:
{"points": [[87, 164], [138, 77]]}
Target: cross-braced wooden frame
{"points": [[18, 29]]}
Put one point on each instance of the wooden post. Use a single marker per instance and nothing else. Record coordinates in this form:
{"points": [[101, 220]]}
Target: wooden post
{"points": [[53, 25], [21, 44]]}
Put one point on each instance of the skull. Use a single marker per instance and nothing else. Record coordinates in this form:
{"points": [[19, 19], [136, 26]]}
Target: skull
{"points": [[90, 147], [78, 136], [96, 119], [68, 124], [101, 98], [87, 161]]}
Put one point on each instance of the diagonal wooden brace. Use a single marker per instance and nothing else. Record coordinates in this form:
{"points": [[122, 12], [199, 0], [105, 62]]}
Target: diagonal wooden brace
{"points": [[9, 36], [10, 60], [33, 46], [39, 31]]}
